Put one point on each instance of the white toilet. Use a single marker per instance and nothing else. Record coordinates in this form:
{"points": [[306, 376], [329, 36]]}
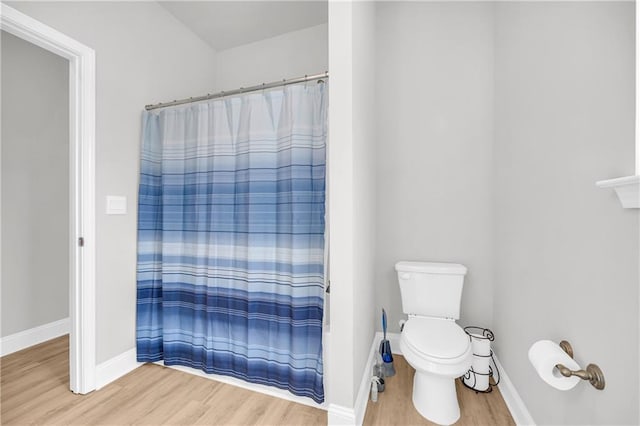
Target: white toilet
{"points": [[431, 341]]}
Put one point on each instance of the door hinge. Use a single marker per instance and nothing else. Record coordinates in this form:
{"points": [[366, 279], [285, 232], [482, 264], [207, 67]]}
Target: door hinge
{"points": [[81, 241]]}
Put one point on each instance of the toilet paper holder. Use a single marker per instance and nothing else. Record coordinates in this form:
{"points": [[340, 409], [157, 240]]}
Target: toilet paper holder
{"points": [[592, 373]]}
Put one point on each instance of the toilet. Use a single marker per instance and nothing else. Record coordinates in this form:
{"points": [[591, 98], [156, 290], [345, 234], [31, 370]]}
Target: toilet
{"points": [[431, 341]]}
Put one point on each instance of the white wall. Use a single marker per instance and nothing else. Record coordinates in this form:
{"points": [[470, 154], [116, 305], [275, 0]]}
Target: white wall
{"points": [[566, 252], [340, 208], [364, 313], [289, 55], [351, 196], [434, 84], [35, 186], [144, 55]]}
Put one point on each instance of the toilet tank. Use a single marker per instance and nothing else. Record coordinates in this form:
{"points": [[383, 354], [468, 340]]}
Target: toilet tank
{"points": [[431, 289]]}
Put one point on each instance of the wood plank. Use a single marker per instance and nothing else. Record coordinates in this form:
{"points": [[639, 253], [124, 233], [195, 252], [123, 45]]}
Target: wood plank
{"points": [[35, 390]]}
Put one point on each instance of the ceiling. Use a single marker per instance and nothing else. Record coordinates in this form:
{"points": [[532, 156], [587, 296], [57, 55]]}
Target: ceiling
{"points": [[226, 24]]}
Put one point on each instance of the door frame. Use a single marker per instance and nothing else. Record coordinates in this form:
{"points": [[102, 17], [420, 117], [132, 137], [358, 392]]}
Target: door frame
{"points": [[82, 242]]}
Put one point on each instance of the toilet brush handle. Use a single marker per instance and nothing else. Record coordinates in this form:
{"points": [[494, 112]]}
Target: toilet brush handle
{"points": [[384, 323]]}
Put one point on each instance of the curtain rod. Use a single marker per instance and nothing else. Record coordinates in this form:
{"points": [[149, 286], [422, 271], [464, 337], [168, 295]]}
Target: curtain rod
{"points": [[237, 91]]}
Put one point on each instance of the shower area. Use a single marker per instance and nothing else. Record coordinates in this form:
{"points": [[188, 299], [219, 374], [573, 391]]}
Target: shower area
{"points": [[232, 260]]}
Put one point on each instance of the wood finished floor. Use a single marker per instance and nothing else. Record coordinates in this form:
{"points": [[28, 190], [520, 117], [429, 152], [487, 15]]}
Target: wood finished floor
{"points": [[394, 406], [34, 388]]}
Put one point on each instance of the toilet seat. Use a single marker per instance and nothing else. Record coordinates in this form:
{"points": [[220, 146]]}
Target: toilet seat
{"points": [[437, 339], [436, 345]]}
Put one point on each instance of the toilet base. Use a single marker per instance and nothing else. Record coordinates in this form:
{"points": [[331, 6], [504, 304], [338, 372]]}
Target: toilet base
{"points": [[435, 398]]}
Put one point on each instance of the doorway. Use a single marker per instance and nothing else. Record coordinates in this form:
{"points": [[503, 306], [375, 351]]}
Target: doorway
{"points": [[80, 241], [35, 194]]}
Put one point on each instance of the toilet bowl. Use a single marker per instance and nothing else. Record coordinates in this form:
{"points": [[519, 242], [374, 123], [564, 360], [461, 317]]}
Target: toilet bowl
{"points": [[440, 351], [431, 341]]}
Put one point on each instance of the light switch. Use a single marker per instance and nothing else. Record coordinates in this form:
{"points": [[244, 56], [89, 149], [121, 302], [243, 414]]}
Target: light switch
{"points": [[116, 204]]}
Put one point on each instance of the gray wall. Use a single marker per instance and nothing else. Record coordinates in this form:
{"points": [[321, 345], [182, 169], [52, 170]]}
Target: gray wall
{"points": [[364, 313], [143, 55], [494, 121], [352, 193], [35, 186], [566, 252], [288, 55], [434, 83]]}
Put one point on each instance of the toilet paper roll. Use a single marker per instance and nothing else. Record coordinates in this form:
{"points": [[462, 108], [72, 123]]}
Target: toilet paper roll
{"points": [[544, 355], [479, 378], [481, 345]]}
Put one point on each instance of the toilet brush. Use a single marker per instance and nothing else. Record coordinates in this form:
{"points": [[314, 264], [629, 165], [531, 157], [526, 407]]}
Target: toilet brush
{"points": [[385, 349]]}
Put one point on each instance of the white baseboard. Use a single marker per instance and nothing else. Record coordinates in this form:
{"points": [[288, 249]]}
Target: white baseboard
{"points": [[362, 398], [33, 336], [341, 416], [515, 404], [116, 367]]}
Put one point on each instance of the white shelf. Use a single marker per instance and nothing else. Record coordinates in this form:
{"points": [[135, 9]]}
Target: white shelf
{"points": [[627, 188]]}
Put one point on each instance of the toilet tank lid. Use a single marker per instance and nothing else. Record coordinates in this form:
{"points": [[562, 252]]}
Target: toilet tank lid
{"points": [[432, 267]]}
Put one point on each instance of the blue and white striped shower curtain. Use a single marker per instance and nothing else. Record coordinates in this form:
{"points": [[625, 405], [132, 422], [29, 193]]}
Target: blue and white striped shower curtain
{"points": [[231, 237]]}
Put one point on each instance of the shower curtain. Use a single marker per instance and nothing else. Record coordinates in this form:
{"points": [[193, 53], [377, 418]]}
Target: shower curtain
{"points": [[230, 276]]}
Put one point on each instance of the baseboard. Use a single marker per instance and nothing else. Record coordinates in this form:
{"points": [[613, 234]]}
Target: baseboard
{"points": [[339, 415], [515, 404], [33, 336], [116, 367], [360, 406]]}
